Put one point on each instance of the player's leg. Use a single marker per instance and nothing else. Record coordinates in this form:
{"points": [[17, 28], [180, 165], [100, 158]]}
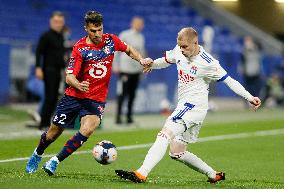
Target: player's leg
{"points": [[88, 125], [132, 87], [91, 114], [178, 152], [173, 127], [46, 139], [155, 153]]}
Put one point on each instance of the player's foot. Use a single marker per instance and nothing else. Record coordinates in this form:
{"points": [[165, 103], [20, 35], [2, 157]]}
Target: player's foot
{"points": [[50, 166], [133, 176], [219, 176], [33, 162]]}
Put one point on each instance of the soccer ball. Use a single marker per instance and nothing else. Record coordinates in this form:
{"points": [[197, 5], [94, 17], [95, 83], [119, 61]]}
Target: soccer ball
{"points": [[105, 152]]}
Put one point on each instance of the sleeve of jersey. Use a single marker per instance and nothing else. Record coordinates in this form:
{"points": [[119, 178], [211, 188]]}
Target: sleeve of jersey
{"points": [[119, 45], [75, 62], [215, 72], [238, 88], [160, 63], [170, 56]]}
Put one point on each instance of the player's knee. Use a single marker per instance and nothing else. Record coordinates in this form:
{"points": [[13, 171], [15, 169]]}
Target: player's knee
{"points": [[177, 149], [53, 132], [89, 124]]}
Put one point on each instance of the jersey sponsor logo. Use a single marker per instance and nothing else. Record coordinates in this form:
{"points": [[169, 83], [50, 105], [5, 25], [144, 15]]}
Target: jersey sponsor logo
{"points": [[184, 77], [206, 57], [98, 71]]}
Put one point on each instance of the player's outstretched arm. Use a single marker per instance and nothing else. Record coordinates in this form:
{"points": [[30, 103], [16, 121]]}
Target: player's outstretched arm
{"points": [[73, 82], [159, 63], [134, 54], [240, 90]]}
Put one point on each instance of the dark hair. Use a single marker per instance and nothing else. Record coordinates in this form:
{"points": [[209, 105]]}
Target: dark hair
{"points": [[56, 13], [94, 17]]}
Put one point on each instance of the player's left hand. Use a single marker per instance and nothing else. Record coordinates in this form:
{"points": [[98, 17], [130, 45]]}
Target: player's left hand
{"points": [[256, 102]]}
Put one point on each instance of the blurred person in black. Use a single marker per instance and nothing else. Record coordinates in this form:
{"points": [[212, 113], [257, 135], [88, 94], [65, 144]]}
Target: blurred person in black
{"points": [[49, 64], [129, 72]]}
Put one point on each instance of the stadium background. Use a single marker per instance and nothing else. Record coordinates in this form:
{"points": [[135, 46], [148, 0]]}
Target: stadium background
{"points": [[22, 24], [247, 145]]}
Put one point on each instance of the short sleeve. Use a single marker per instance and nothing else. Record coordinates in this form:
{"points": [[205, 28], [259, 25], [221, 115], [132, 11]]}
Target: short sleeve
{"points": [[170, 56], [119, 45], [215, 72], [75, 62]]}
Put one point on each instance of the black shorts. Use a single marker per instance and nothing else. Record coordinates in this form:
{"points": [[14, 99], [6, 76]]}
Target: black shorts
{"points": [[69, 108]]}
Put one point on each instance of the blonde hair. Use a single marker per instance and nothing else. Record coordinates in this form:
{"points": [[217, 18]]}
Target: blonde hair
{"points": [[187, 33]]}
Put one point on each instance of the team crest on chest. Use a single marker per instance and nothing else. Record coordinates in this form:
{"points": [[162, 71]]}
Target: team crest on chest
{"points": [[107, 50], [193, 70]]}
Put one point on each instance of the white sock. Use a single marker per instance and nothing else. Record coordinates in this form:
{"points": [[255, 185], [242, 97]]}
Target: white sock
{"points": [[54, 158], [197, 164], [155, 153]]}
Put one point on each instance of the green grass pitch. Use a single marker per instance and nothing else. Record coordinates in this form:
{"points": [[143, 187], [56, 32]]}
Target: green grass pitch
{"points": [[249, 161]]}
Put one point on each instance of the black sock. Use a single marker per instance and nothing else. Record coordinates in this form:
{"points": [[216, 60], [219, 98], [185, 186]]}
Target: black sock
{"points": [[43, 144]]}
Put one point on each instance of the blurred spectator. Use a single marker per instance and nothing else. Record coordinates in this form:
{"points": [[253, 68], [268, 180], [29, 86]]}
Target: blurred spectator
{"points": [[36, 87], [127, 70], [49, 64], [251, 66], [207, 37], [273, 94]]}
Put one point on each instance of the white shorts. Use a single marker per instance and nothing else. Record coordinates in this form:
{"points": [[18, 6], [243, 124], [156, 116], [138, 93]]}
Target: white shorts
{"points": [[190, 118]]}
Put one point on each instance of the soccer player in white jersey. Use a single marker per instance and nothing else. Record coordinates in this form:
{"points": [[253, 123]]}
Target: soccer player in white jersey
{"points": [[196, 69]]}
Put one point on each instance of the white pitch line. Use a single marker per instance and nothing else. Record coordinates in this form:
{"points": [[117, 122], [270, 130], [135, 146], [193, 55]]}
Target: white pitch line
{"points": [[204, 139]]}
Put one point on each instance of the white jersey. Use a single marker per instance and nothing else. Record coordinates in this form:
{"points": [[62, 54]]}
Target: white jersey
{"points": [[194, 76]]}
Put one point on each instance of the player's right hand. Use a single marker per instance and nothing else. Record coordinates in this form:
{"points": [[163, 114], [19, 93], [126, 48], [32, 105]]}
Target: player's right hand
{"points": [[256, 102], [84, 86]]}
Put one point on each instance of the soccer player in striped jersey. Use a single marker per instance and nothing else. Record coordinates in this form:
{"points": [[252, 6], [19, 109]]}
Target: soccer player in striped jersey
{"points": [[196, 69]]}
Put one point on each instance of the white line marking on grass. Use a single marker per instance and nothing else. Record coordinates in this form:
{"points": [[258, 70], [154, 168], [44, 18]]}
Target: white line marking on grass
{"points": [[4, 117], [14, 135], [204, 139]]}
